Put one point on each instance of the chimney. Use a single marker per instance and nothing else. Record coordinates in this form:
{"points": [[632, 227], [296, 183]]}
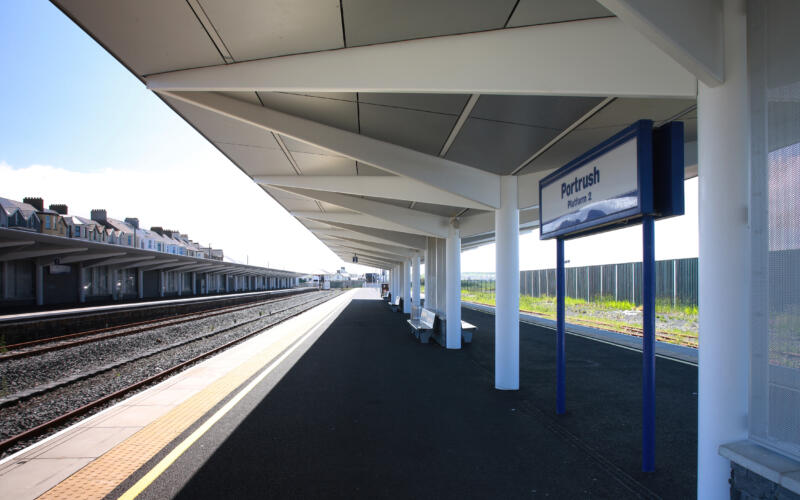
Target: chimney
{"points": [[157, 229], [169, 232], [99, 216], [60, 208], [36, 203], [133, 221]]}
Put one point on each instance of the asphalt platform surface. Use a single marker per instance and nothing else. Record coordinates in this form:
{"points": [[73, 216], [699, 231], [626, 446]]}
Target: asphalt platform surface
{"points": [[369, 412]]}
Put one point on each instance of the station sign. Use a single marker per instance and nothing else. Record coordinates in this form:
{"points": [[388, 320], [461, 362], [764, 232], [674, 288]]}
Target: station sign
{"points": [[613, 183]]}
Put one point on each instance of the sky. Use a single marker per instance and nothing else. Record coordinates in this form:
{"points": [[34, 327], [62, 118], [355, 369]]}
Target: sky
{"points": [[77, 128]]}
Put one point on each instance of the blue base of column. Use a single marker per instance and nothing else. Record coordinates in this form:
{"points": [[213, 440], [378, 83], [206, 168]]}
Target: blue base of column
{"points": [[560, 313], [648, 346]]}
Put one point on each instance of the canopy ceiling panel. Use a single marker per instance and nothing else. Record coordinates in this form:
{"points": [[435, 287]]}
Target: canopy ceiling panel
{"points": [[256, 160], [317, 164], [611, 119], [221, 129], [337, 113], [327, 207], [531, 12], [504, 131], [149, 36], [312, 224], [293, 202], [256, 29], [449, 104], [368, 22], [364, 169], [442, 210], [419, 130], [302, 147]]}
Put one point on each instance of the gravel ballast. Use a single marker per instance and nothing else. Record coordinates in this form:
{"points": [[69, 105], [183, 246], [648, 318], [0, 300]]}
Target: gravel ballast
{"points": [[38, 389]]}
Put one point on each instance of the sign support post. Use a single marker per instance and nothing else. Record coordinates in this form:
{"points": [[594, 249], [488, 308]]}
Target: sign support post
{"points": [[633, 177], [560, 313], [648, 345]]}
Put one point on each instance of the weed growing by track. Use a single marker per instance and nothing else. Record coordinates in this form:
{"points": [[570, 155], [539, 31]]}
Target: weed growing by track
{"points": [[675, 324]]}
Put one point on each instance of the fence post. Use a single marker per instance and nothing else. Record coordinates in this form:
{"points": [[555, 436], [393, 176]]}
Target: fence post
{"points": [[588, 281], [674, 282], [616, 282], [633, 283], [601, 282]]}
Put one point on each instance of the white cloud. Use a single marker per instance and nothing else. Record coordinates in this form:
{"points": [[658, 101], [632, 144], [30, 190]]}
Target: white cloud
{"points": [[208, 199]]}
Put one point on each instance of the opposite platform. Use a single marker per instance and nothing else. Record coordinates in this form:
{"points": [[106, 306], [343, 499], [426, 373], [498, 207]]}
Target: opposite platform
{"points": [[92, 458]]}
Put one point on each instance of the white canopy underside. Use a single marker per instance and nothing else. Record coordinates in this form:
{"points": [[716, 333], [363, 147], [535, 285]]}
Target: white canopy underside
{"points": [[376, 122]]}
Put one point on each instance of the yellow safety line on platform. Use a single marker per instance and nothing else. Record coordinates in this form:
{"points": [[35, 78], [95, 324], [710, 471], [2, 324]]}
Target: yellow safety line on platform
{"points": [[101, 476]]}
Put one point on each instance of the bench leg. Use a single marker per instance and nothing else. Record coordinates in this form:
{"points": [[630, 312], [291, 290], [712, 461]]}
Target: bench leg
{"points": [[466, 336], [424, 336]]}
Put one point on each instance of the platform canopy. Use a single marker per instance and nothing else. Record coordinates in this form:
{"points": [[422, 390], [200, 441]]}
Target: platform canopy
{"points": [[376, 122]]}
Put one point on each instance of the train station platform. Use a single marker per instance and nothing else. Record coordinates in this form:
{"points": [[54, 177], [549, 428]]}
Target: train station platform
{"points": [[359, 409]]}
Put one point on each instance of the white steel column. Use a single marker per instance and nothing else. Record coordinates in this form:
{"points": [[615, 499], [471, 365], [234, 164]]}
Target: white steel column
{"points": [[506, 319], [724, 242], [453, 288], [39, 284], [5, 283], [81, 288], [398, 281], [430, 274], [415, 282], [406, 287], [441, 277]]}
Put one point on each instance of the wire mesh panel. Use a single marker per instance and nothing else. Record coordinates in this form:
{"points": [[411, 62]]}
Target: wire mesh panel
{"points": [[775, 181]]}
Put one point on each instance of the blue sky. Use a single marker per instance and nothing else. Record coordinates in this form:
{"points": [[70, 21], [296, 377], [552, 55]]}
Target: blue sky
{"points": [[60, 89], [77, 128]]}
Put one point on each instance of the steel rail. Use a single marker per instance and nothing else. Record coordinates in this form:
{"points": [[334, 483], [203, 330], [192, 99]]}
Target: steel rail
{"points": [[41, 428], [140, 326]]}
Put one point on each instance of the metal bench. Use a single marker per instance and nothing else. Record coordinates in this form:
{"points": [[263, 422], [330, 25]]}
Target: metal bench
{"points": [[423, 327], [397, 305], [466, 331]]}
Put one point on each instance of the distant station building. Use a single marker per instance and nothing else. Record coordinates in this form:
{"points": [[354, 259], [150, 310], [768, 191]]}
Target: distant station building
{"points": [[49, 257]]}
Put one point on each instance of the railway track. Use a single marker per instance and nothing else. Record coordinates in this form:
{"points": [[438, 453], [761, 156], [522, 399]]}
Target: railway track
{"points": [[40, 346], [31, 408]]}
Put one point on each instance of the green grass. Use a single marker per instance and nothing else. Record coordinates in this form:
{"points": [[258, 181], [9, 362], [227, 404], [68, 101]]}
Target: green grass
{"points": [[581, 311]]}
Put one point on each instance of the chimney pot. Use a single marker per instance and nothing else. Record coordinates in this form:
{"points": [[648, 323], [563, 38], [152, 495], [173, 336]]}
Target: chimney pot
{"points": [[36, 203], [60, 208], [99, 215]]}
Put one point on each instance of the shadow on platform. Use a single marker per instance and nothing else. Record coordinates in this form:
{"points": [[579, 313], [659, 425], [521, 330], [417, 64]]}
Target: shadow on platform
{"points": [[368, 412]]}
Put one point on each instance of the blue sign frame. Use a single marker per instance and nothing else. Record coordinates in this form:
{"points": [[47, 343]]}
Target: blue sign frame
{"points": [[642, 131]]}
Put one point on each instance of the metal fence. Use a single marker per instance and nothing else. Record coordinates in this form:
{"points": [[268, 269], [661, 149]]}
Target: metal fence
{"points": [[676, 282]]}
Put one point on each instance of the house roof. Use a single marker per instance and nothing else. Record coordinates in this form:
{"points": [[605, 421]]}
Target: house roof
{"points": [[11, 206], [120, 225]]}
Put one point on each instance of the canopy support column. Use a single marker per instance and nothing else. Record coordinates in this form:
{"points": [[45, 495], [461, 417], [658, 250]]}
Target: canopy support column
{"points": [[406, 287], [506, 320], [453, 288], [415, 282], [724, 243]]}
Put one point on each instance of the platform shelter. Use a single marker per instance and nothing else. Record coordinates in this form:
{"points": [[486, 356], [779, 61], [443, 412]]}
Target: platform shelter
{"points": [[407, 132]]}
